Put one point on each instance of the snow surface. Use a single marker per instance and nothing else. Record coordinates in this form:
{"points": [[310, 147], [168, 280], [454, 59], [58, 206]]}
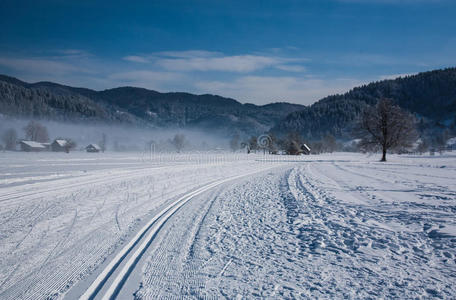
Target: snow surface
{"points": [[338, 227], [329, 226]]}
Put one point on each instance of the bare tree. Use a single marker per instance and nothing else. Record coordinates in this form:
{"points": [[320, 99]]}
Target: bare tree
{"points": [[70, 145], [103, 142], [439, 141], [386, 126], [10, 138], [329, 143], [178, 142], [293, 143], [273, 145], [317, 147], [423, 146], [37, 132], [234, 142], [253, 143]]}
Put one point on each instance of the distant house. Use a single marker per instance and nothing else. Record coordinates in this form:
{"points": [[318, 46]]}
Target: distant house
{"points": [[93, 148], [47, 146], [59, 145], [305, 149], [31, 146]]}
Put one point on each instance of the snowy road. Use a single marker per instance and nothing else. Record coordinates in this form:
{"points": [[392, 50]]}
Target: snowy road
{"points": [[330, 226]]}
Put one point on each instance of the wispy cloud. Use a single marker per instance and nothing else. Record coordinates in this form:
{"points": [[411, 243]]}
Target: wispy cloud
{"points": [[136, 58], [266, 89], [238, 63], [204, 61], [41, 65], [188, 53], [291, 68], [74, 52], [258, 78]]}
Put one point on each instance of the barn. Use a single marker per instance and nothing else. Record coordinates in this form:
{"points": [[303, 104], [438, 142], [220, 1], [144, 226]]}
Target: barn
{"points": [[93, 148], [305, 149], [59, 145], [31, 146]]}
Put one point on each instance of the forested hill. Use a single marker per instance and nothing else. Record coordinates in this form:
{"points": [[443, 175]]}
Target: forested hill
{"points": [[431, 96], [138, 106]]}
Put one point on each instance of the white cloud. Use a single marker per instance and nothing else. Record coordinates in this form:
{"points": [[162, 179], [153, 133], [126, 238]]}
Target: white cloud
{"points": [[291, 68], [204, 61], [170, 55], [266, 89], [41, 65], [136, 58], [188, 53], [238, 63], [169, 71], [74, 52]]}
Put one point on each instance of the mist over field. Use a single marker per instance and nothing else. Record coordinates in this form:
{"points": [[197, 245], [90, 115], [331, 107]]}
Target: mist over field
{"points": [[122, 137]]}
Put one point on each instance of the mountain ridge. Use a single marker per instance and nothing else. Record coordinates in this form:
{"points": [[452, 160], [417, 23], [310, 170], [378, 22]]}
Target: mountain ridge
{"points": [[431, 96], [138, 106]]}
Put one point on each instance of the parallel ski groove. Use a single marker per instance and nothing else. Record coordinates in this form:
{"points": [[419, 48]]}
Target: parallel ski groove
{"points": [[154, 225]]}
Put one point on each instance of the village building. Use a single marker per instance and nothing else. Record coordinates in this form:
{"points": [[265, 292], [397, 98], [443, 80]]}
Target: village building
{"points": [[31, 146], [47, 146], [305, 149], [93, 148], [59, 145]]}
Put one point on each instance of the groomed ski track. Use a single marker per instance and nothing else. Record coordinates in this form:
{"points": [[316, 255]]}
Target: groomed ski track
{"points": [[126, 260]]}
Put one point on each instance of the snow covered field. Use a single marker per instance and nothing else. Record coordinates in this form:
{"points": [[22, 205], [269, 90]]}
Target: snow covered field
{"points": [[329, 226]]}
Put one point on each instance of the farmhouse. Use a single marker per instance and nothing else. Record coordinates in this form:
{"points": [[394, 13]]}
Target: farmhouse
{"points": [[31, 146], [59, 145], [47, 146], [305, 149], [93, 148]]}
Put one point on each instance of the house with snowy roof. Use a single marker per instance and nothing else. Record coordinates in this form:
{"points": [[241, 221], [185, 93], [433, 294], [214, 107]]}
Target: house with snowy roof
{"points": [[31, 146], [59, 145], [93, 148], [305, 149]]}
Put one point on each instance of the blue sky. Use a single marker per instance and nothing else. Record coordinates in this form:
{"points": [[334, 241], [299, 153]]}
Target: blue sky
{"points": [[253, 51]]}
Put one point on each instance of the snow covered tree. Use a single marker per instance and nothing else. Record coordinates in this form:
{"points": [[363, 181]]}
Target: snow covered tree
{"points": [[386, 126]]}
